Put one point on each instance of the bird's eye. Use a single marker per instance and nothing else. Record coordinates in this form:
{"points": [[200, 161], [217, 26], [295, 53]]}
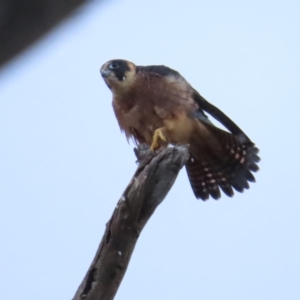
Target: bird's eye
{"points": [[114, 65]]}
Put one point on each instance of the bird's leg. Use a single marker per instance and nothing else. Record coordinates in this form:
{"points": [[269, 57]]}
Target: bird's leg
{"points": [[157, 136]]}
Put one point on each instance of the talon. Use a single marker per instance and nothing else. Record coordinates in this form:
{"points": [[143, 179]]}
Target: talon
{"points": [[158, 135]]}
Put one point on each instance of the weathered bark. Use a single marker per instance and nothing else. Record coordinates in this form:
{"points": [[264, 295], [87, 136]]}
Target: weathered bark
{"points": [[22, 22], [150, 184]]}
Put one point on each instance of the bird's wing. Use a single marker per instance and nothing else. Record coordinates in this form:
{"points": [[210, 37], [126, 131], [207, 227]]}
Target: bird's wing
{"points": [[219, 116], [204, 105], [166, 90]]}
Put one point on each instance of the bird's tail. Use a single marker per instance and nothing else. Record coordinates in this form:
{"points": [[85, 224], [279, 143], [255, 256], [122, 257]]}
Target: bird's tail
{"points": [[229, 167]]}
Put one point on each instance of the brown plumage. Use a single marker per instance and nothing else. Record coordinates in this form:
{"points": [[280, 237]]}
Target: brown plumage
{"points": [[157, 106]]}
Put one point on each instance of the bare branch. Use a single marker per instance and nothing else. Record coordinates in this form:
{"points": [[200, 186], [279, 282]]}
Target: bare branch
{"points": [[150, 184]]}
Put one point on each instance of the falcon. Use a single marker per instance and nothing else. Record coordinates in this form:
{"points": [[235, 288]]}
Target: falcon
{"points": [[157, 106]]}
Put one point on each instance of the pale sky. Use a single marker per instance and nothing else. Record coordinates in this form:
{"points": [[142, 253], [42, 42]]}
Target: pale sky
{"points": [[64, 163]]}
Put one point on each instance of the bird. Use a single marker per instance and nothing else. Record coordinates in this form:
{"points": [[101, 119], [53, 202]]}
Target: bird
{"points": [[157, 106]]}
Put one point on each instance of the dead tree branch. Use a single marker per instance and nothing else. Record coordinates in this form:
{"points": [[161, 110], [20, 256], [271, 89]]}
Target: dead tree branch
{"points": [[150, 184]]}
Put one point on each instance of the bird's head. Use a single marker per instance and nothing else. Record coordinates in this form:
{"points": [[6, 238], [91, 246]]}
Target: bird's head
{"points": [[118, 74]]}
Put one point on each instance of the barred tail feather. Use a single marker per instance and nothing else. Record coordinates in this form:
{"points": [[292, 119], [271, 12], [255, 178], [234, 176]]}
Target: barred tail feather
{"points": [[211, 172]]}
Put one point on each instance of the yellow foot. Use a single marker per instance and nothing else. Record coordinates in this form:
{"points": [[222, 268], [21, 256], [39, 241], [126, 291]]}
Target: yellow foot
{"points": [[158, 135]]}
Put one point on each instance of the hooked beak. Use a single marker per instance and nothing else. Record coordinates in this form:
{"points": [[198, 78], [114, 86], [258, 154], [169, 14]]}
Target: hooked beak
{"points": [[105, 73]]}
